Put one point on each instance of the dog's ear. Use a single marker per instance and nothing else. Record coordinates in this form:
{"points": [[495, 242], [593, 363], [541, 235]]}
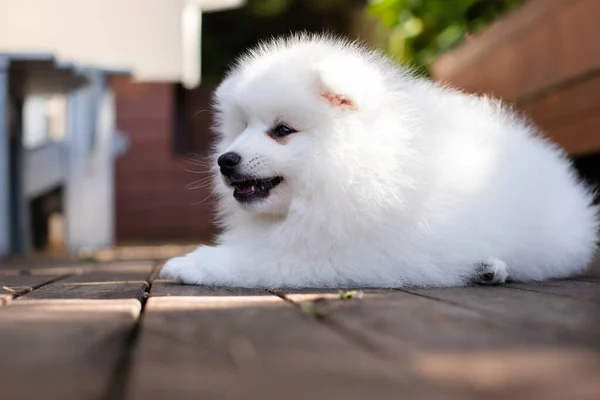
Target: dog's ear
{"points": [[347, 82]]}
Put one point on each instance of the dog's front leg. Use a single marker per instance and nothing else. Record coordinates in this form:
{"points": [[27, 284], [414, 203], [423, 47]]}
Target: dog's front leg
{"points": [[207, 265]]}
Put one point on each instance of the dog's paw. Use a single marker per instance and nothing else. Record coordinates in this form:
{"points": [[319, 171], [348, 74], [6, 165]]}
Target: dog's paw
{"points": [[491, 272], [181, 270]]}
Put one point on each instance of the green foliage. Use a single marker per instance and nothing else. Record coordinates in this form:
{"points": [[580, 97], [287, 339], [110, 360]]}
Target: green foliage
{"points": [[420, 30]]}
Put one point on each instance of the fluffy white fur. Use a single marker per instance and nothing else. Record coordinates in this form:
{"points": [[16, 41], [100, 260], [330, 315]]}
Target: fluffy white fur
{"points": [[402, 183]]}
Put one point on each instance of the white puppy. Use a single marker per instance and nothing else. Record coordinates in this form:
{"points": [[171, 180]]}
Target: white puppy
{"points": [[337, 168]]}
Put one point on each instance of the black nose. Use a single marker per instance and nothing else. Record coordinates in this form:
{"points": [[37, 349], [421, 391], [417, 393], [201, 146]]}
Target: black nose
{"points": [[228, 162]]}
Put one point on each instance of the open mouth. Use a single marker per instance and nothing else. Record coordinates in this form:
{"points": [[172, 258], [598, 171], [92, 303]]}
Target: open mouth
{"points": [[254, 189]]}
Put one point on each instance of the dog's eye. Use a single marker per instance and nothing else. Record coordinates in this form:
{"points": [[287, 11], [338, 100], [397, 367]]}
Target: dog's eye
{"points": [[282, 130]]}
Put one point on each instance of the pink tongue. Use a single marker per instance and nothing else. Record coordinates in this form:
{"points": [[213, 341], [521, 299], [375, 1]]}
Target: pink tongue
{"points": [[246, 189]]}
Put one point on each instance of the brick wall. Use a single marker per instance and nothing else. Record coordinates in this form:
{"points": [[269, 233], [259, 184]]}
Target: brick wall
{"points": [[152, 202]]}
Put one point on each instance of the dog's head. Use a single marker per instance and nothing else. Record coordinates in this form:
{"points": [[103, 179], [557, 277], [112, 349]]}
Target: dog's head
{"points": [[291, 121]]}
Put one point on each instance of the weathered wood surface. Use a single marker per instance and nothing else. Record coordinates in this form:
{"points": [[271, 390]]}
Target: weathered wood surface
{"points": [[578, 289], [62, 351], [104, 282], [456, 338], [109, 331], [88, 291], [400, 323], [66, 338], [12, 286], [162, 288], [232, 344], [116, 272], [566, 318]]}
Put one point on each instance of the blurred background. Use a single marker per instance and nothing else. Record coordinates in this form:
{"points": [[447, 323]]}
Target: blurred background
{"points": [[105, 104]]}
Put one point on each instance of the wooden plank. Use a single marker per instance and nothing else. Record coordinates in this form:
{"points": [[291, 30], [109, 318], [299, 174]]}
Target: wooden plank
{"points": [[588, 278], [570, 319], [63, 349], [399, 323], [17, 285], [112, 277], [565, 104], [132, 253], [162, 288], [89, 291], [120, 266], [593, 271], [48, 270], [551, 374], [116, 272], [214, 343], [69, 337], [574, 135], [585, 290], [451, 346]]}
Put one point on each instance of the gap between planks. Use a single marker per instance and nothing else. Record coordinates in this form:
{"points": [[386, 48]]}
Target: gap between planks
{"points": [[313, 311], [112, 330], [117, 387], [290, 350], [512, 342], [17, 291]]}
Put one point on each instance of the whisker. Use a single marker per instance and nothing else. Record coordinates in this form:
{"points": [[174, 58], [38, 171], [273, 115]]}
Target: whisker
{"points": [[207, 197], [198, 163], [206, 178], [200, 186], [199, 156], [196, 172], [199, 181], [206, 182], [199, 112]]}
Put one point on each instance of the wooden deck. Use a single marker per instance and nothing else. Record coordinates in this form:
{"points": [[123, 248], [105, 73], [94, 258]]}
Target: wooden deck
{"points": [[112, 331]]}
